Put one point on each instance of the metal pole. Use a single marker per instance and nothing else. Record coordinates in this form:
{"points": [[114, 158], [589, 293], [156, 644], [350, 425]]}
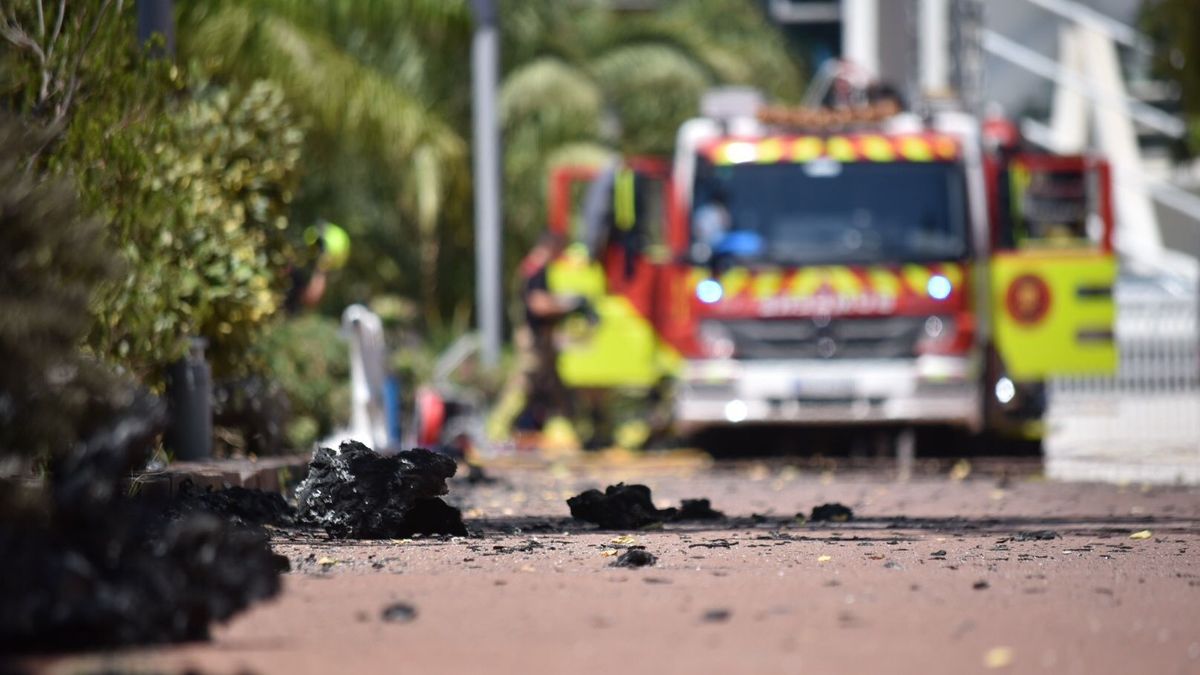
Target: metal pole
{"points": [[485, 58], [934, 47], [860, 34], [157, 17]]}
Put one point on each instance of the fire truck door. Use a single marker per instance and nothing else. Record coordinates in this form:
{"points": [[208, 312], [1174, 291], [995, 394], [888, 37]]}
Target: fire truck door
{"points": [[1053, 271], [622, 348]]}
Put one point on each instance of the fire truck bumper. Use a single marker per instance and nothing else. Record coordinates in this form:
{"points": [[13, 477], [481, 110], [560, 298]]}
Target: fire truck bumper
{"points": [[926, 390]]}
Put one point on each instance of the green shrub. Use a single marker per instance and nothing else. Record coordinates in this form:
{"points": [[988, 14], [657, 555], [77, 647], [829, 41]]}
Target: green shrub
{"points": [[197, 207], [50, 259]]}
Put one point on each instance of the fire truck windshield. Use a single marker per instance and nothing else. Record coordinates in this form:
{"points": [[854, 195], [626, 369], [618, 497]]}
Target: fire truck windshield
{"points": [[826, 212]]}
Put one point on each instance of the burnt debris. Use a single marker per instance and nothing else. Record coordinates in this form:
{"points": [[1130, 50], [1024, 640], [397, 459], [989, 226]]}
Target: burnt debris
{"points": [[85, 566], [355, 493], [619, 507], [1036, 535], [635, 557], [241, 505], [697, 509], [833, 512], [630, 507], [398, 612]]}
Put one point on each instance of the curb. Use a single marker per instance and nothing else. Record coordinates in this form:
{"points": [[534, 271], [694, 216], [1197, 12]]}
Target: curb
{"points": [[269, 474]]}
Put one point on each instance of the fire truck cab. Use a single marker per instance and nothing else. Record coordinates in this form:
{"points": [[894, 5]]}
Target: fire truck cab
{"points": [[857, 266]]}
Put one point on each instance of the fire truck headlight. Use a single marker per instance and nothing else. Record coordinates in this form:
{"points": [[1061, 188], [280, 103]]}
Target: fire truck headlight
{"points": [[1006, 391], [735, 411], [709, 291], [939, 287]]}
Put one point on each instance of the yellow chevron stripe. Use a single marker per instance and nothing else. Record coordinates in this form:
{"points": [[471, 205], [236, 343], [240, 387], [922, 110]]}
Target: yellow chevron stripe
{"points": [[770, 151], [807, 149], [915, 149], [917, 278], [878, 149], [841, 149], [805, 282], [954, 273], [844, 282], [735, 281], [766, 284], [884, 282]]}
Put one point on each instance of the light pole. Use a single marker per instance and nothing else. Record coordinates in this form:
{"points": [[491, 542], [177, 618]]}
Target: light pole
{"points": [[485, 58], [157, 17]]}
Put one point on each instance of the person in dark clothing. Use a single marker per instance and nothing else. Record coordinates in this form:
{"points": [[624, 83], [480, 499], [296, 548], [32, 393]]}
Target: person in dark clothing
{"points": [[545, 393]]}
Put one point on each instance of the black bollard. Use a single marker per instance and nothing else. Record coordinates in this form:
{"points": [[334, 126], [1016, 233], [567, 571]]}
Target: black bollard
{"points": [[189, 403]]}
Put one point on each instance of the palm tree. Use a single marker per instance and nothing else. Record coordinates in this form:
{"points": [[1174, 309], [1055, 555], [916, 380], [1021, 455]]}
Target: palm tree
{"points": [[352, 106], [385, 87], [585, 81]]}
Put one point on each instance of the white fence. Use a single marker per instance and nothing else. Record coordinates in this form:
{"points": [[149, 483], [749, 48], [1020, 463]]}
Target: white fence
{"points": [[1143, 424]]}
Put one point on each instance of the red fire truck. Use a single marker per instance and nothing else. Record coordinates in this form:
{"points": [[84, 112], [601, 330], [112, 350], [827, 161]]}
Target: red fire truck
{"points": [[845, 267]]}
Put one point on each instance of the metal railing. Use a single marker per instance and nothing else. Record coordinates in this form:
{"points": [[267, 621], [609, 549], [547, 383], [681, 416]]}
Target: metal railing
{"points": [[1143, 423]]}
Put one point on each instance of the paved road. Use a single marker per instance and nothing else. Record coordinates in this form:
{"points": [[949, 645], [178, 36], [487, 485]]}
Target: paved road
{"points": [[931, 577]]}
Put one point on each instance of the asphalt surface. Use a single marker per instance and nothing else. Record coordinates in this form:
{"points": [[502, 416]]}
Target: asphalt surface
{"points": [[954, 571]]}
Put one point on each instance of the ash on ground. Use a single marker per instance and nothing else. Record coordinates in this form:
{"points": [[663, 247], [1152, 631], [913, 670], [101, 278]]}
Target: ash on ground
{"points": [[354, 492]]}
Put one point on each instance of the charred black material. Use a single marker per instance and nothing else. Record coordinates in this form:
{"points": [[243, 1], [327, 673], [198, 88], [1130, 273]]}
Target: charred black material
{"points": [[239, 504], [635, 557], [354, 492], [398, 612], [92, 568], [837, 513], [1036, 535], [74, 592], [697, 509], [619, 507]]}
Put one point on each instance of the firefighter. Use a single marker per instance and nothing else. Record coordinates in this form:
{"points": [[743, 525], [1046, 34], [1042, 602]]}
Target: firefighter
{"points": [[545, 394], [331, 249], [613, 217]]}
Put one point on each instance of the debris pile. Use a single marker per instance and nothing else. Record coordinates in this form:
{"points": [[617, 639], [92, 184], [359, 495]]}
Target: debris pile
{"points": [[355, 493], [697, 509], [635, 557], [834, 512], [619, 507], [629, 507], [86, 566]]}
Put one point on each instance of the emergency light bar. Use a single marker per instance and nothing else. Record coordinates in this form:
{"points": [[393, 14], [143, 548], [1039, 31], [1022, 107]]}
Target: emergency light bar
{"points": [[815, 119]]}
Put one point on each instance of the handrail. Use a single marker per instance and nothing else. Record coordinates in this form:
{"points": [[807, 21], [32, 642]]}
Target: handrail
{"points": [[1046, 67], [1086, 16]]}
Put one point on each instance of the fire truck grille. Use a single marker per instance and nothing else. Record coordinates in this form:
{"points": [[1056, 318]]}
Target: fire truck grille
{"points": [[852, 338]]}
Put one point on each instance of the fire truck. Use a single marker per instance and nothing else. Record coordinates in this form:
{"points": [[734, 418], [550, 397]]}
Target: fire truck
{"points": [[859, 265]]}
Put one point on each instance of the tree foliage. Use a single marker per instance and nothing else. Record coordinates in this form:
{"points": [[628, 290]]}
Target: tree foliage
{"points": [[191, 180], [197, 202], [1175, 28], [386, 86]]}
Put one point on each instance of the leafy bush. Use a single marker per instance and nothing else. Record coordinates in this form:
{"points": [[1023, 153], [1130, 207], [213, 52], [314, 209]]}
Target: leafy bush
{"points": [[197, 207], [50, 259]]}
